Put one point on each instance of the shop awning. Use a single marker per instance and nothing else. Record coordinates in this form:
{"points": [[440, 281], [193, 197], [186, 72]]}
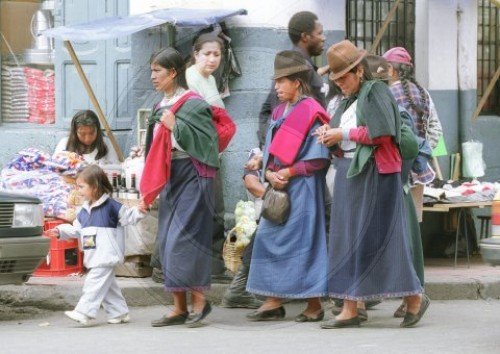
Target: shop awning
{"points": [[113, 27]]}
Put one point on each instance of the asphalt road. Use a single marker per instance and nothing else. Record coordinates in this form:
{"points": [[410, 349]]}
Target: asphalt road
{"points": [[466, 326]]}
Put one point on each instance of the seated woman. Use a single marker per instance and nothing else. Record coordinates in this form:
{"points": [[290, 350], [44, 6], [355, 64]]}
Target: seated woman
{"points": [[86, 139]]}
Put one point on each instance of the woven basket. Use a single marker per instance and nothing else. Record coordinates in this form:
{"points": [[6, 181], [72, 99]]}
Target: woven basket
{"points": [[230, 254]]}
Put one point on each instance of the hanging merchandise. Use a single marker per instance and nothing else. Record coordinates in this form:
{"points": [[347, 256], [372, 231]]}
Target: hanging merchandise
{"points": [[473, 163], [229, 67]]}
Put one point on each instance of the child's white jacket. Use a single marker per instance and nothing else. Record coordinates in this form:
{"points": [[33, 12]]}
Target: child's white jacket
{"points": [[100, 230]]}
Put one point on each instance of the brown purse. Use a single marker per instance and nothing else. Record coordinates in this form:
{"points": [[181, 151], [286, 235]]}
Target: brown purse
{"points": [[276, 205]]}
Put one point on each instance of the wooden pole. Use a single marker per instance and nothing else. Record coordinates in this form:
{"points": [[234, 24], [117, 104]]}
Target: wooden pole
{"points": [[382, 29], [93, 98], [485, 95]]}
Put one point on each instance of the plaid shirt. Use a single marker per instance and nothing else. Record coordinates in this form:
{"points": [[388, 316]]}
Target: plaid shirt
{"points": [[434, 128]]}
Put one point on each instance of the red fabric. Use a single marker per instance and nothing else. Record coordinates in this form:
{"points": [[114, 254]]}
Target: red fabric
{"points": [[290, 136], [224, 126], [156, 171], [387, 157]]}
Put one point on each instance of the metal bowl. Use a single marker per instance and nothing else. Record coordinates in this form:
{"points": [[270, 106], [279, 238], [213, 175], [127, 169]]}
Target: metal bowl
{"points": [[490, 250]]}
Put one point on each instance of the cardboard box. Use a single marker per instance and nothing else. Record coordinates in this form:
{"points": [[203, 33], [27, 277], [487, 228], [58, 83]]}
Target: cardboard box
{"points": [[15, 25]]}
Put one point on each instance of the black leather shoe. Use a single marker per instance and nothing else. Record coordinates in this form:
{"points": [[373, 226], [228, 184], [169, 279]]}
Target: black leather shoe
{"points": [[304, 318], [371, 303], [194, 319], [331, 324], [267, 315], [170, 321], [412, 319]]}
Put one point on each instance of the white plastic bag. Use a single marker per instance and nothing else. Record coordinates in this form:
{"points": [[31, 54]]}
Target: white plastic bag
{"points": [[473, 164]]}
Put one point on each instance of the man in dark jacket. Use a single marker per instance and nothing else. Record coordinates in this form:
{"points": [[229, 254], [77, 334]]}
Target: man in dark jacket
{"points": [[306, 33]]}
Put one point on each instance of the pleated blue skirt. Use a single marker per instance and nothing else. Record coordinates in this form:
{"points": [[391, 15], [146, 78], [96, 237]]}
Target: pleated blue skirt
{"points": [[185, 224], [290, 260], [369, 256]]}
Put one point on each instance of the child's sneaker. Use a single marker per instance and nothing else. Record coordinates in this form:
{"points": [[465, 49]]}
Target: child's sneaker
{"points": [[120, 319], [77, 317]]}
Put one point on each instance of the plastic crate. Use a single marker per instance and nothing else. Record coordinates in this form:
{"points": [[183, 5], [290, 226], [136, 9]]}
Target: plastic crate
{"points": [[64, 256]]}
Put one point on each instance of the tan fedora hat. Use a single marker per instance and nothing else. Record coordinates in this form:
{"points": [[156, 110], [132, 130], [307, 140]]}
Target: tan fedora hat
{"points": [[342, 57], [379, 67], [288, 62]]}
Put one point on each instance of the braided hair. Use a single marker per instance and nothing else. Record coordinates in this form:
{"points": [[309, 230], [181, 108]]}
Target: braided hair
{"points": [[406, 76]]}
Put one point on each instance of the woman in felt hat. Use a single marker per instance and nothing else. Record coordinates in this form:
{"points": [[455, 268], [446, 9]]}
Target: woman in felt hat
{"points": [[289, 260], [369, 257]]}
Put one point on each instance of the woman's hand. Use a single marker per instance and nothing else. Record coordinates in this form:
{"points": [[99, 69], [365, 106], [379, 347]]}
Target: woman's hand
{"points": [[327, 136], [168, 119], [279, 180]]}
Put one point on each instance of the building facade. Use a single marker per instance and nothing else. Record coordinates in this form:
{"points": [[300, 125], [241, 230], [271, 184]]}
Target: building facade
{"points": [[445, 39]]}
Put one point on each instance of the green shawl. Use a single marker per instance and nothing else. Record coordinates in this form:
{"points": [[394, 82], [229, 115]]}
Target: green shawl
{"points": [[194, 131], [377, 109]]}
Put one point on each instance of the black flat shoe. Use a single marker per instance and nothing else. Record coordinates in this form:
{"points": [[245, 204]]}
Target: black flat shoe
{"points": [[412, 319], [372, 303], [170, 321], [333, 323], [267, 315], [194, 319], [304, 318]]}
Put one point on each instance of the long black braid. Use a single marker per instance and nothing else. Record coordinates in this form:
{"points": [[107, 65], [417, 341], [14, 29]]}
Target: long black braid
{"points": [[405, 73]]}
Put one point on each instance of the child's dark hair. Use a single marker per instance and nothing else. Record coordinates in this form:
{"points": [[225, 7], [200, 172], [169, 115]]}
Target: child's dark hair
{"points": [[95, 177], [86, 118]]}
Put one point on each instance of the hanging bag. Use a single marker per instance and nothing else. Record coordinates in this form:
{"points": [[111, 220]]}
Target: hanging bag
{"points": [[276, 205]]}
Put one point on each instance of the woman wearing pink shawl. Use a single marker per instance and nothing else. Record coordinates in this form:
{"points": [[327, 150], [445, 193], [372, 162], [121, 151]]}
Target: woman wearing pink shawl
{"points": [[289, 260]]}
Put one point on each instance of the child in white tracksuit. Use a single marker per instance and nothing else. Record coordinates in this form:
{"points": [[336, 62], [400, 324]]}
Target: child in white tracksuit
{"points": [[99, 226]]}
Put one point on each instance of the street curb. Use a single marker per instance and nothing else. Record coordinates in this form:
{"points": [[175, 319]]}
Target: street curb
{"points": [[63, 294]]}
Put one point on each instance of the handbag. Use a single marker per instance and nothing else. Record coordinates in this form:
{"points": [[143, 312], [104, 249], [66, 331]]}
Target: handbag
{"points": [[276, 205]]}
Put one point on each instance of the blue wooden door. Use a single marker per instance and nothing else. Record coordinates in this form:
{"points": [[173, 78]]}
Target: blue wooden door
{"points": [[105, 63]]}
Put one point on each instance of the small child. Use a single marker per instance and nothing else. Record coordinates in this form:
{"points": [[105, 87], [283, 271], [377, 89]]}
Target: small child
{"points": [[99, 226]]}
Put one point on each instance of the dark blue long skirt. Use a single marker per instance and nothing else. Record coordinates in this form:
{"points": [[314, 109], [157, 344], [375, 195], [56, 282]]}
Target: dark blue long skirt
{"points": [[290, 260], [185, 224], [369, 255]]}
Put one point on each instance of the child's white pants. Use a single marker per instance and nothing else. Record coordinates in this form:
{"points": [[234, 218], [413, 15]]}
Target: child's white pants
{"points": [[101, 287]]}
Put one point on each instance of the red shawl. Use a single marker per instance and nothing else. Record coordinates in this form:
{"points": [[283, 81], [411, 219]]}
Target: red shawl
{"points": [[290, 136], [156, 171]]}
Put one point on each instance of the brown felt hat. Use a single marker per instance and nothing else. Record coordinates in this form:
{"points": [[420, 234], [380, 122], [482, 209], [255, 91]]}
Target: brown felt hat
{"points": [[289, 62], [379, 67], [342, 57]]}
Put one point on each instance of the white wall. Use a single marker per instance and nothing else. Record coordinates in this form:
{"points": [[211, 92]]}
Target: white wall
{"points": [[446, 44], [261, 13]]}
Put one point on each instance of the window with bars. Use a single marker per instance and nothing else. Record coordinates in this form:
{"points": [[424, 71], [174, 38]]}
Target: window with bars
{"points": [[366, 17], [488, 55]]}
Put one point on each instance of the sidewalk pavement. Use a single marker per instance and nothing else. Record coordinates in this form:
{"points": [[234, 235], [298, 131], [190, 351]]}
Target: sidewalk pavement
{"points": [[443, 282]]}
